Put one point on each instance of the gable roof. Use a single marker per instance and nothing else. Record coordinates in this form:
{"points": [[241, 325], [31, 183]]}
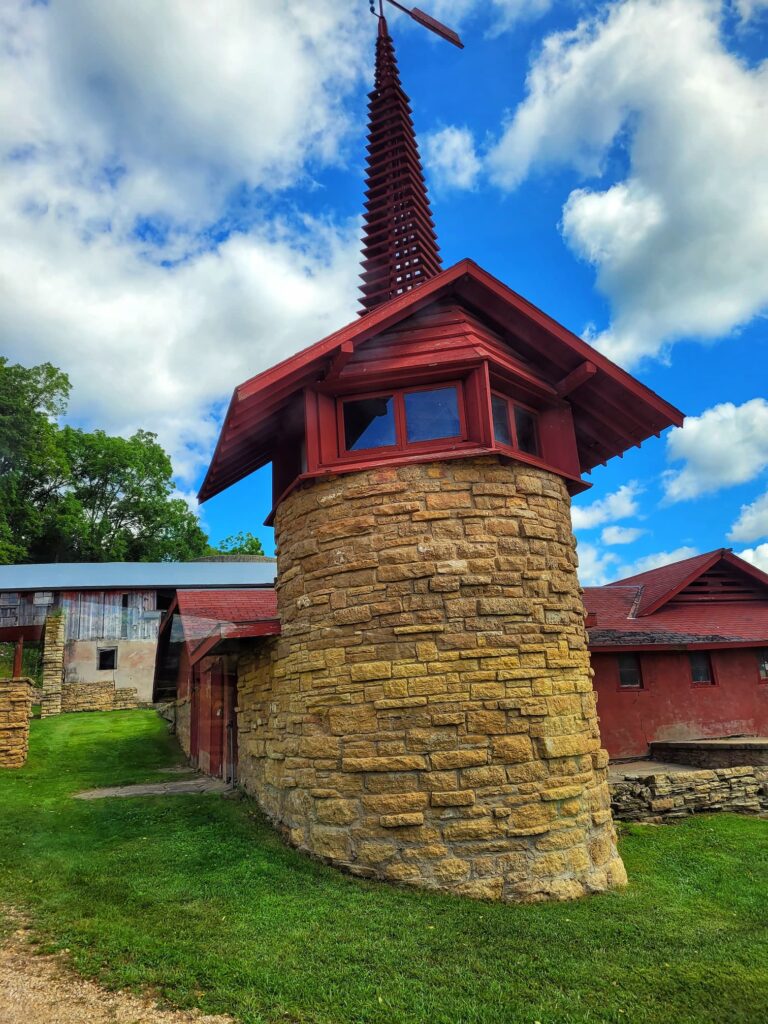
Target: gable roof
{"points": [[659, 586], [612, 410], [641, 611]]}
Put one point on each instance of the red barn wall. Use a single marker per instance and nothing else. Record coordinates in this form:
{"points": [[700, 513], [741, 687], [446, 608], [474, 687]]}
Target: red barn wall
{"points": [[670, 708]]}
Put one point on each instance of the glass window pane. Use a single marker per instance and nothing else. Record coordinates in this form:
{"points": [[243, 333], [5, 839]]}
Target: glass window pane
{"points": [[701, 669], [501, 430], [432, 414], [369, 423], [762, 660], [525, 424], [629, 670]]}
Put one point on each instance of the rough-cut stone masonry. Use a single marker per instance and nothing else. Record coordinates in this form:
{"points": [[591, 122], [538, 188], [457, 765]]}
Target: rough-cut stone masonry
{"points": [[648, 795], [97, 697], [53, 664], [728, 753], [427, 715], [15, 711]]}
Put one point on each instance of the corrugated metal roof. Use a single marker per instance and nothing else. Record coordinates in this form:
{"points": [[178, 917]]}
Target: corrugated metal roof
{"points": [[130, 575]]}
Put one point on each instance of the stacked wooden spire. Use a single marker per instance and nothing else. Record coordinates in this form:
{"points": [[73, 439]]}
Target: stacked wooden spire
{"points": [[400, 248]]}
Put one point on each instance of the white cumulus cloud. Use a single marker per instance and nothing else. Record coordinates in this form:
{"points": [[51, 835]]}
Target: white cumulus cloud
{"points": [[125, 129], [450, 157], [752, 522], [595, 566], [725, 445], [656, 560], [681, 243], [621, 534], [757, 556], [620, 504]]}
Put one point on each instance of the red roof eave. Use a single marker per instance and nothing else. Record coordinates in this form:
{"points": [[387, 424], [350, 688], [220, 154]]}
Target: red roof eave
{"points": [[303, 367]]}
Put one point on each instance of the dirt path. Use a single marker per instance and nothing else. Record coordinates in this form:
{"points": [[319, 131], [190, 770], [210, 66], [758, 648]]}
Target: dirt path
{"points": [[42, 990]]}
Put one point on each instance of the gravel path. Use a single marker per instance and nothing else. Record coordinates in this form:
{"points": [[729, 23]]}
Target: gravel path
{"points": [[200, 784], [42, 990]]}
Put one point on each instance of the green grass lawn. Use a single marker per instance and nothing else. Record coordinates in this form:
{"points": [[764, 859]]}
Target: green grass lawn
{"points": [[196, 899]]}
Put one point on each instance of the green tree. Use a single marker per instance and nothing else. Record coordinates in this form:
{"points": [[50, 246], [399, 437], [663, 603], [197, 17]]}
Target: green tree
{"points": [[33, 466], [238, 544], [72, 495]]}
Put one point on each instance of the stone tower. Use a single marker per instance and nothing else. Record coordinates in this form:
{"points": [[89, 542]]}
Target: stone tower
{"points": [[427, 714]]}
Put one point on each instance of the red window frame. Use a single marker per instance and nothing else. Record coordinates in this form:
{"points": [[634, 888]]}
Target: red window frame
{"points": [[712, 681], [762, 660], [512, 424], [401, 427]]}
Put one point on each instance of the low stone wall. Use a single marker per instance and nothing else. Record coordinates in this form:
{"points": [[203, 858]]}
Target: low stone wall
{"points": [[713, 754], [662, 796], [97, 697], [15, 711]]}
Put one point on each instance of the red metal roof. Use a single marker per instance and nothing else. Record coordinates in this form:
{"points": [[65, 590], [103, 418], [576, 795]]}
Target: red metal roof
{"points": [[206, 615], [641, 610], [612, 410]]}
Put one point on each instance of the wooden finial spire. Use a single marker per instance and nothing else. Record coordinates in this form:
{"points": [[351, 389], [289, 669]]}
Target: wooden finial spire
{"points": [[400, 249]]}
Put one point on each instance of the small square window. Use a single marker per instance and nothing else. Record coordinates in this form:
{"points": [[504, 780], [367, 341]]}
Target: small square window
{"points": [[106, 659], [43, 597], [9, 599], [762, 664], [701, 669], [630, 676], [369, 423]]}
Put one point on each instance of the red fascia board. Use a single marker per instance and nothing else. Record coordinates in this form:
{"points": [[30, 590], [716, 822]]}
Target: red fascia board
{"points": [[694, 646], [29, 633], [746, 567], [667, 596]]}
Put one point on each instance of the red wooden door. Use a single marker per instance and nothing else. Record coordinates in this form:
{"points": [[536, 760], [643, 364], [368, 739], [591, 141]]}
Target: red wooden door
{"points": [[194, 715], [217, 722]]}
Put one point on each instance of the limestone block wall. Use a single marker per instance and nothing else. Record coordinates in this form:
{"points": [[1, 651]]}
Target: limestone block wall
{"points": [[97, 697], [649, 795], [53, 663], [15, 712], [427, 715]]}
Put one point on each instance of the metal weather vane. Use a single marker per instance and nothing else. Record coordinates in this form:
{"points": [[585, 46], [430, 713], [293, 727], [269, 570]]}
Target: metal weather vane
{"points": [[400, 249], [423, 19]]}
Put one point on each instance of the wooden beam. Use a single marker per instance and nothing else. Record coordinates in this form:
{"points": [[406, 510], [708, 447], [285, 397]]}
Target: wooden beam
{"points": [[583, 372]]}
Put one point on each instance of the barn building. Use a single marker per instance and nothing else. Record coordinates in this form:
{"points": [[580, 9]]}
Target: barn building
{"points": [[426, 713], [680, 654], [100, 622]]}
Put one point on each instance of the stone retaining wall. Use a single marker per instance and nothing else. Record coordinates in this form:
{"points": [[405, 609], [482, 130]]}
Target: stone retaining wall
{"points": [[15, 712], [97, 697], [427, 715], [662, 796], [709, 754]]}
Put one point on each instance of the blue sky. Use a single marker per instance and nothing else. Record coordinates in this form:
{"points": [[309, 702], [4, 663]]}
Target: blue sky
{"points": [[181, 186]]}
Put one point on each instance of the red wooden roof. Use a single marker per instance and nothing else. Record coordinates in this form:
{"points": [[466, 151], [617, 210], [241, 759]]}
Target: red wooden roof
{"points": [[400, 248], [612, 410], [661, 608]]}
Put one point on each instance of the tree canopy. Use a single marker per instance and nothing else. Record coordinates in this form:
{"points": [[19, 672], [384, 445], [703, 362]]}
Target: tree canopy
{"points": [[72, 495]]}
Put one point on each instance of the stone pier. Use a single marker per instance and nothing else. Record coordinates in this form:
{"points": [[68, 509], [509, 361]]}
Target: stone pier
{"points": [[15, 712], [53, 663]]}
